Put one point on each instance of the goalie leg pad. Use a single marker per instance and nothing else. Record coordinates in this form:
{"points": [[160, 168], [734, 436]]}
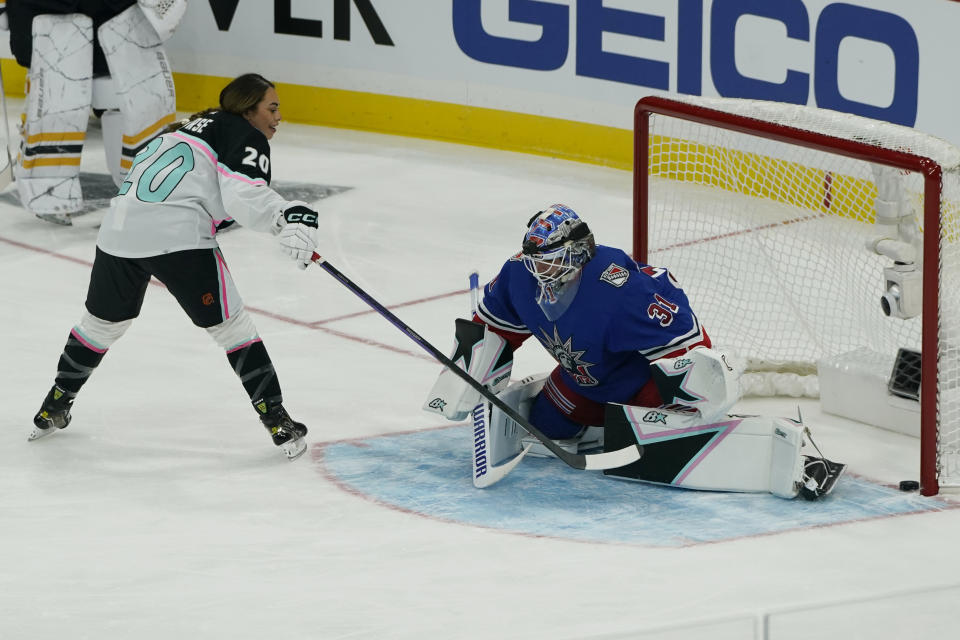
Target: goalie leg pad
{"points": [[744, 454], [496, 439], [141, 78], [499, 443], [484, 355], [55, 122]]}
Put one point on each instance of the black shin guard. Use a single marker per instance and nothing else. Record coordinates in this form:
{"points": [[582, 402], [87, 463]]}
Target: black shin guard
{"points": [[255, 369], [76, 364]]}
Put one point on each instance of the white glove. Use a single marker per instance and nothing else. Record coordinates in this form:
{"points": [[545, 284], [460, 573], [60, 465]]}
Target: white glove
{"points": [[298, 232]]}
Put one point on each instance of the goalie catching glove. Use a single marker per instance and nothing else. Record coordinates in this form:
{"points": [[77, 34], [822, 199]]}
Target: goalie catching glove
{"points": [[485, 356], [297, 224]]}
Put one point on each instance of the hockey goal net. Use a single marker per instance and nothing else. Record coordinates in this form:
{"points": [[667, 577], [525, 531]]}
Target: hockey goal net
{"points": [[788, 225]]}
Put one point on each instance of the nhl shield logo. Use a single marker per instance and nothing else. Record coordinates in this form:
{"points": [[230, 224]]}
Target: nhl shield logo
{"points": [[615, 275]]}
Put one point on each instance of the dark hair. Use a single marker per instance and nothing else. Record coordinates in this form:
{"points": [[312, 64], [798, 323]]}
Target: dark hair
{"points": [[241, 94], [244, 93]]}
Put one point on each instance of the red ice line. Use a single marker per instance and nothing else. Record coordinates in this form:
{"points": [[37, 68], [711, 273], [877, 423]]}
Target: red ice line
{"points": [[316, 325]]}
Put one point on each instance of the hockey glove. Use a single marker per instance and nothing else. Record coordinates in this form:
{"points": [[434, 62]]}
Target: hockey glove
{"points": [[298, 232]]}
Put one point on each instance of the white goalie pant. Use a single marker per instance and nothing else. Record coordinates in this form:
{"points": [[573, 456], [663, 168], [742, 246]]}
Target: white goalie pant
{"points": [[57, 106]]}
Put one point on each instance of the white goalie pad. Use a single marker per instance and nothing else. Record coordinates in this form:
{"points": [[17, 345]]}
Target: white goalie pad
{"points": [[737, 453], [164, 15], [701, 378], [141, 79], [485, 356], [57, 107], [497, 439]]}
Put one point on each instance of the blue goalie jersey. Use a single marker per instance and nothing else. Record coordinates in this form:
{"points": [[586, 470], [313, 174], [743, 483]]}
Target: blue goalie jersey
{"points": [[623, 317]]}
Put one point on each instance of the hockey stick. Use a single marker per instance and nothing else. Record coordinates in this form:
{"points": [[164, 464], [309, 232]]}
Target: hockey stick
{"points": [[595, 461]]}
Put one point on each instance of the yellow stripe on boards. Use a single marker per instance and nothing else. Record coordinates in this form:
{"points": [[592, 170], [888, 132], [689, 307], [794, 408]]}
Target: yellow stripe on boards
{"points": [[449, 122], [14, 76], [566, 139]]}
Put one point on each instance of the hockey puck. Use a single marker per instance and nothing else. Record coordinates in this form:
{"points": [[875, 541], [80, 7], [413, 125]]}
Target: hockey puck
{"points": [[909, 485]]}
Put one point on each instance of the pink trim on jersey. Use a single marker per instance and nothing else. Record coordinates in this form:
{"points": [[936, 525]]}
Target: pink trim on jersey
{"points": [[259, 182], [244, 345], [221, 267], [89, 345], [196, 144]]}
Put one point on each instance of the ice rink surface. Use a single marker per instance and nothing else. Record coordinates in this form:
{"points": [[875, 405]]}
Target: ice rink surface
{"points": [[163, 511]]}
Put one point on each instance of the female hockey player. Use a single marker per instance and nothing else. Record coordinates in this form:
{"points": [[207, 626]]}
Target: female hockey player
{"points": [[629, 350], [182, 187]]}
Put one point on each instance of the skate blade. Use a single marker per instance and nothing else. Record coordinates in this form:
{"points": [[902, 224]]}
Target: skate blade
{"points": [[295, 448]]}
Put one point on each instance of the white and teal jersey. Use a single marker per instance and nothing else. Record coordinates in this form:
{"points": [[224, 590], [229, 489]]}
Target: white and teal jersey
{"points": [[183, 185]]}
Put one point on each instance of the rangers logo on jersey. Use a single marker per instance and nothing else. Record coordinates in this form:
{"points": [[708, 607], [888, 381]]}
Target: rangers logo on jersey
{"points": [[615, 275]]}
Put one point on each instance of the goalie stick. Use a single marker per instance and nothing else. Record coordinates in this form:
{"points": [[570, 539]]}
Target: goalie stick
{"points": [[474, 291], [595, 461]]}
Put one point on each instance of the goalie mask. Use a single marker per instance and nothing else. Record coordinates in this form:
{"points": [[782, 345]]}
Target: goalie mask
{"points": [[557, 244]]}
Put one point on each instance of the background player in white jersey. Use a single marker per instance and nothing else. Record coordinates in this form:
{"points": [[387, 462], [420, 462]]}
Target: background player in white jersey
{"points": [[182, 188], [631, 351]]}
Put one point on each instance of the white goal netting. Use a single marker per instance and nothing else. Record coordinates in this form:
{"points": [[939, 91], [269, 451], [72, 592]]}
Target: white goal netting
{"points": [[767, 212]]}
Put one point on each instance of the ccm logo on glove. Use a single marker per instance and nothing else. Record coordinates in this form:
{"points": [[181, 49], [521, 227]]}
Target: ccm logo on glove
{"points": [[300, 215]]}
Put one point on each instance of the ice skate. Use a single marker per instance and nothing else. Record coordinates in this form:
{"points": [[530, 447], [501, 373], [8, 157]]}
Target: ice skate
{"points": [[819, 477], [54, 414], [286, 434]]}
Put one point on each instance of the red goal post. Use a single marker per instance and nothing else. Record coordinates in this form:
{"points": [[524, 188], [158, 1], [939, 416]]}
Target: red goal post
{"points": [[725, 187]]}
